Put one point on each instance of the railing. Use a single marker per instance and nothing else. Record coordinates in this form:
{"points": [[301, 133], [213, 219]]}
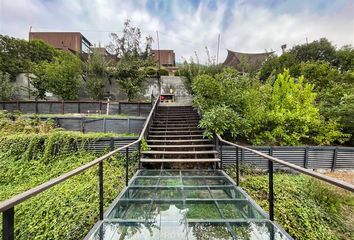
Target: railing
{"points": [[219, 142], [7, 207]]}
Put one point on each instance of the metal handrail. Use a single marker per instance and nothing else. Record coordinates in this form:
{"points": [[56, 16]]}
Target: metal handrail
{"points": [[13, 201], [320, 176]]}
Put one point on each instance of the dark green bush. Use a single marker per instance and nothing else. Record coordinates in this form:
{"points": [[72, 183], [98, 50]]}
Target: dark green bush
{"points": [[305, 208]]}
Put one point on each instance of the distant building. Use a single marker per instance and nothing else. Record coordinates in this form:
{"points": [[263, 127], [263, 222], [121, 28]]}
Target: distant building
{"points": [[245, 62], [166, 58], [73, 42], [112, 59]]}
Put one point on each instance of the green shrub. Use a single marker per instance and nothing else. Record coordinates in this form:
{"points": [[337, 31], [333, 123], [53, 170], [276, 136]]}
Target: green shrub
{"points": [[70, 209], [164, 72], [305, 208]]}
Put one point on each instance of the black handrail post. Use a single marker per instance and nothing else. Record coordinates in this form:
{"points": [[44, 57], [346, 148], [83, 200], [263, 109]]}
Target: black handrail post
{"points": [[237, 168], [8, 220], [139, 154], [101, 188], [221, 160], [126, 166], [271, 190]]}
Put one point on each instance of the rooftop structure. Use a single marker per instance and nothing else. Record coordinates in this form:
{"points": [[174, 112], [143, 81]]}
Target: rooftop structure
{"points": [[73, 42], [245, 62], [166, 58]]}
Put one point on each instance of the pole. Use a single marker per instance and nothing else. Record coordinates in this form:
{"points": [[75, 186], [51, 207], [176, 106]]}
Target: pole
{"points": [[159, 57], [217, 54]]}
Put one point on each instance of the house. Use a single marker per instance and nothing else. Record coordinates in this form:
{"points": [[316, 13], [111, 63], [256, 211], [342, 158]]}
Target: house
{"points": [[73, 42], [166, 58], [245, 62]]}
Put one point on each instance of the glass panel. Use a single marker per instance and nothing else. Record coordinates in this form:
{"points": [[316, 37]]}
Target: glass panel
{"points": [[226, 193], [239, 209], [206, 205], [257, 230], [202, 210], [130, 210], [209, 231]]}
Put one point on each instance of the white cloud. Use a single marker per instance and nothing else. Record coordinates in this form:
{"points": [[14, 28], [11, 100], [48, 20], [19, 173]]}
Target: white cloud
{"points": [[182, 26]]}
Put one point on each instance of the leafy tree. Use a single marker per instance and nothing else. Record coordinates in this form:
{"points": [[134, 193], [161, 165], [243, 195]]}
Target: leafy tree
{"points": [[13, 56], [18, 56], [345, 58], [96, 70], [130, 72], [320, 73], [7, 88], [61, 77], [131, 75]]}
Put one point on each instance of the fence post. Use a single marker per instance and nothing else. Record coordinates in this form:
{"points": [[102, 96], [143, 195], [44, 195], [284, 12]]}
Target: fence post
{"points": [[83, 125], [119, 108], [8, 220], [18, 106], [334, 163], [79, 107], [306, 158], [139, 109], [128, 123], [104, 125], [112, 144], [100, 107], [126, 166], [62, 107], [101, 189], [237, 169], [271, 190], [36, 107]]}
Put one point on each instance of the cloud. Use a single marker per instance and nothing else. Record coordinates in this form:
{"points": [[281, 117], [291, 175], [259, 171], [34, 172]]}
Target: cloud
{"points": [[189, 26]]}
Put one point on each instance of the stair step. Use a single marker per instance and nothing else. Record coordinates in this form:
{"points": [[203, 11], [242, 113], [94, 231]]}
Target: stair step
{"points": [[174, 128], [165, 132], [175, 136], [181, 160], [181, 146], [179, 152], [178, 141]]}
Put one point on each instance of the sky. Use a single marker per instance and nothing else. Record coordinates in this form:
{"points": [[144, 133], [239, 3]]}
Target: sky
{"points": [[189, 26]]}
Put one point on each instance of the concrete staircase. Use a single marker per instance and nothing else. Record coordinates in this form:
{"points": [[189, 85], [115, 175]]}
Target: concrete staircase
{"points": [[175, 141]]}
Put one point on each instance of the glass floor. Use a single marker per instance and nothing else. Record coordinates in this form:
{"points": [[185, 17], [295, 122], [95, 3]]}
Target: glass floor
{"points": [[187, 204]]}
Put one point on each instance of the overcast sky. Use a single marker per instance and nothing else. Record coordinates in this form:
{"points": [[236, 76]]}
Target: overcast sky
{"points": [[189, 26]]}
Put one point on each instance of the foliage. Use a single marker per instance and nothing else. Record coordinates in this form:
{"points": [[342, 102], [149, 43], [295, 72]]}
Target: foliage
{"points": [[131, 69], [305, 208], [7, 88], [18, 56], [96, 70], [280, 113], [163, 72], [130, 75], [69, 210], [130, 43], [61, 77], [192, 69]]}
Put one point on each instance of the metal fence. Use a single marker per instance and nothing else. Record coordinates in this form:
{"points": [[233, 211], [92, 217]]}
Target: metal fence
{"points": [[310, 157], [331, 158], [113, 125], [87, 107]]}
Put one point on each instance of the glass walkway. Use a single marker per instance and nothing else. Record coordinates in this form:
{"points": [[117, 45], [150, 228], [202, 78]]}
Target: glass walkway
{"points": [[190, 204]]}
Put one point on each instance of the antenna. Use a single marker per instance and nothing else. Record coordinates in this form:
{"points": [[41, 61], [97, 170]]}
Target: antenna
{"points": [[217, 54]]}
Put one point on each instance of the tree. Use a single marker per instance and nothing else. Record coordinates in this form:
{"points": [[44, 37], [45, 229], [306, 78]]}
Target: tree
{"points": [[134, 60], [7, 88], [61, 77], [131, 75], [19, 56], [96, 70]]}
